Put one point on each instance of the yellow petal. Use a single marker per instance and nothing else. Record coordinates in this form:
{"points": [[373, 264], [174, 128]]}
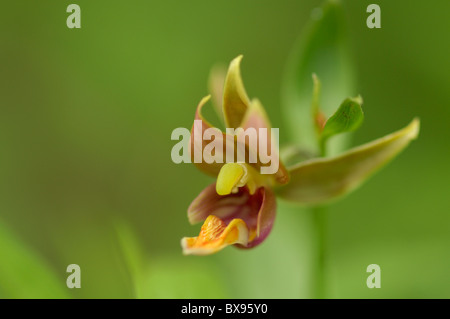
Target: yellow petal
{"points": [[235, 175], [216, 235], [229, 177]]}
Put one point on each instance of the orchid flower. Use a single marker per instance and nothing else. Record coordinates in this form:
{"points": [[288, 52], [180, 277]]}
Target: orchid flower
{"points": [[239, 208]]}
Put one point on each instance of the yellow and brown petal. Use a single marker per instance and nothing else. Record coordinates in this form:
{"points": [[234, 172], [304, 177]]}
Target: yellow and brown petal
{"points": [[215, 235], [240, 219]]}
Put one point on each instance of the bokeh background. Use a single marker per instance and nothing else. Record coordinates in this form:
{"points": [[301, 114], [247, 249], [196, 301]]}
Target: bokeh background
{"points": [[86, 176]]}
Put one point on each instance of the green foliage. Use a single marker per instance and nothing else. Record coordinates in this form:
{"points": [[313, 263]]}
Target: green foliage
{"points": [[347, 118], [321, 50], [24, 273], [167, 277]]}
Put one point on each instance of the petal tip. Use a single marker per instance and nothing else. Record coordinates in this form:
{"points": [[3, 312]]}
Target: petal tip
{"points": [[205, 99], [235, 98], [238, 59], [414, 128]]}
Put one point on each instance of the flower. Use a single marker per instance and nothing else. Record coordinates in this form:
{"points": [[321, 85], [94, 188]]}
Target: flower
{"points": [[240, 208]]}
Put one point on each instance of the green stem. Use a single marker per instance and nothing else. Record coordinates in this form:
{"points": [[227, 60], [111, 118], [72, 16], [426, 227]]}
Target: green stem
{"points": [[320, 223], [320, 218], [322, 147]]}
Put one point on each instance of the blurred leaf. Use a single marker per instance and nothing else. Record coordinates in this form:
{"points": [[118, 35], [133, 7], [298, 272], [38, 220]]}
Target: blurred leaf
{"points": [[168, 277], [131, 253], [322, 50], [24, 273], [347, 118], [323, 179], [292, 155]]}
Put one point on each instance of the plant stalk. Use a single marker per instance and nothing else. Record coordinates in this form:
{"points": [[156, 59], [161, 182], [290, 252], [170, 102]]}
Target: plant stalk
{"points": [[320, 213], [320, 218]]}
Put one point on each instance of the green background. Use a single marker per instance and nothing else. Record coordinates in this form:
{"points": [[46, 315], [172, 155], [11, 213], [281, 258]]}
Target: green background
{"points": [[86, 175]]}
